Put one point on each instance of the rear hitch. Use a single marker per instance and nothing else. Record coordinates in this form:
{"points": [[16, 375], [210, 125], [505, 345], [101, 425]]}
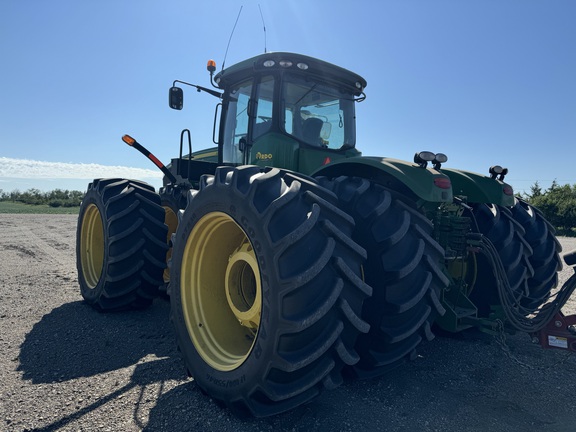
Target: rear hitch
{"points": [[560, 333]]}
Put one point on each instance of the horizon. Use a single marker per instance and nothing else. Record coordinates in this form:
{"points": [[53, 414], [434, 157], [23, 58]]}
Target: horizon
{"points": [[44, 176], [25, 174]]}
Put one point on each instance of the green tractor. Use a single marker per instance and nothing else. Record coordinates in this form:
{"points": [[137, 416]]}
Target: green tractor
{"points": [[292, 261]]}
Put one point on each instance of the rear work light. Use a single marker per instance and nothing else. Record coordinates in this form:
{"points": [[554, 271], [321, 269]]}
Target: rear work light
{"points": [[497, 171], [422, 158]]}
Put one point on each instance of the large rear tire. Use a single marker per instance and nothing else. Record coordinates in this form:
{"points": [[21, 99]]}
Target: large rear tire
{"points": [[404, 268], [545, 259], [120, 244], [498, 225], [266, 289]]}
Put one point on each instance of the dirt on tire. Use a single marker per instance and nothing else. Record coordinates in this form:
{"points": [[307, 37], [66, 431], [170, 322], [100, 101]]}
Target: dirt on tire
{"points": [[66, 367]]}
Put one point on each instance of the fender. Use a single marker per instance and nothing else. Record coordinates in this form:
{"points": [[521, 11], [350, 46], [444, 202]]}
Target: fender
{"points": [[207, 155], [478, 188], [425, 183]]}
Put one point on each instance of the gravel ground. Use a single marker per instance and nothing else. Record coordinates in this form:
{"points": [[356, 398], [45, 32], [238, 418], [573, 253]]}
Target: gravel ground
{"points": [[66, 367]]}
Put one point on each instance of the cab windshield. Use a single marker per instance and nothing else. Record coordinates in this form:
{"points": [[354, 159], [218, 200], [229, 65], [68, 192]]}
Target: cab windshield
{"points": [[317, 113]]}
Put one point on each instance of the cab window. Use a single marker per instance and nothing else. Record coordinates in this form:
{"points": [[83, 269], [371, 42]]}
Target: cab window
{"points": [[237, 120], [264, 97], [318, 114]]}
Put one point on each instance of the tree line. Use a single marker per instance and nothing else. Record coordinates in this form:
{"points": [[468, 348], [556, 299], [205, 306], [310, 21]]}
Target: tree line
{"points": [[55, 198], [557, 203]]}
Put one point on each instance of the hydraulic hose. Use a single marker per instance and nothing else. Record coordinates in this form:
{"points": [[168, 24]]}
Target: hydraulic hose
{"points": [[529, 320]]}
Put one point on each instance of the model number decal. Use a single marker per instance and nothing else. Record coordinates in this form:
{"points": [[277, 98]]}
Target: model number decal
{"points": [[263, 156]]}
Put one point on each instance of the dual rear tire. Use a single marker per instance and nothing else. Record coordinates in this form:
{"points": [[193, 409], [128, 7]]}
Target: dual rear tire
{"points": [[404, 269], [120, 244], [529, 252], [266, 289]]}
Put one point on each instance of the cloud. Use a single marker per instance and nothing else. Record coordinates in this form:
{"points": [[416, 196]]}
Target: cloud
{"points": [[24, 174], [31, 169]]}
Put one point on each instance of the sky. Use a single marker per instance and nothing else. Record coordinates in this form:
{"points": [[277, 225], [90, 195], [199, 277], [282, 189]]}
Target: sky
{"points": [[487, 82]]}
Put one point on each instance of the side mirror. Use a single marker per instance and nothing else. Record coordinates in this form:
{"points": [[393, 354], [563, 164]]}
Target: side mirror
{"points": [[176, 98]]}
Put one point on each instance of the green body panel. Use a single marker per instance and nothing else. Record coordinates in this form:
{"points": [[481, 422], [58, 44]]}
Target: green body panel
{"points": [[281, 151], [311, 159], [478, 188], [277, 150], [393, 173]]}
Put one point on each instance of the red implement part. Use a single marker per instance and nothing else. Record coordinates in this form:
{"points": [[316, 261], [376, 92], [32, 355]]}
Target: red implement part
{"points": [[560, 333]]}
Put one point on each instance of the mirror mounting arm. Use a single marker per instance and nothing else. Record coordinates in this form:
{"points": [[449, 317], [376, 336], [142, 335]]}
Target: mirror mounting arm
{"points": [[199, 88]]}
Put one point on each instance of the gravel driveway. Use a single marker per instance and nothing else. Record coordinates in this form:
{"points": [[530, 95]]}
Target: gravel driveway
{"points": [[64, 366]]}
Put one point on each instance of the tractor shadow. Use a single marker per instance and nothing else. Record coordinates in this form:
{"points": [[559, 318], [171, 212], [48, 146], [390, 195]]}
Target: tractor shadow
{"points": [[461, 383], [467, 371], [74, 341]]}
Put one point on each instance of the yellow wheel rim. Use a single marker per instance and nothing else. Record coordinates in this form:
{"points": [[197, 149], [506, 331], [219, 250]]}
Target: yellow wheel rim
{"points": [[92, 246], [221, 291], [171, 220]]}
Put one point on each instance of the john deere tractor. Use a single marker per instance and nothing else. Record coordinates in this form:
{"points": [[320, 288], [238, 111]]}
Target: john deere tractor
{"points": [[292, 261]]}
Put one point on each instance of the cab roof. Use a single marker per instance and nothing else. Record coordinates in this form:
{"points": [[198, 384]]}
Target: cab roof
{"points": [[285, 62]]}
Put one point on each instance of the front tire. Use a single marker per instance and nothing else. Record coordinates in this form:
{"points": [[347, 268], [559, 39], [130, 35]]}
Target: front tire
{"points": [[266, 289], [120, 244]]}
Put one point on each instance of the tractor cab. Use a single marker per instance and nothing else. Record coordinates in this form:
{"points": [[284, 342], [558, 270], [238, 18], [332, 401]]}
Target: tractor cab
{"points": [[286, 110]]}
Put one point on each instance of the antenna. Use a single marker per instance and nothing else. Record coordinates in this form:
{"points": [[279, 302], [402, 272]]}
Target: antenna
{"points": [[263, 25], [231, 34]]}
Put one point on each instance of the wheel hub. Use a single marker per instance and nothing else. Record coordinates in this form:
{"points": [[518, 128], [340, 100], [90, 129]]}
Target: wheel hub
{"points": [[243, 288]]}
